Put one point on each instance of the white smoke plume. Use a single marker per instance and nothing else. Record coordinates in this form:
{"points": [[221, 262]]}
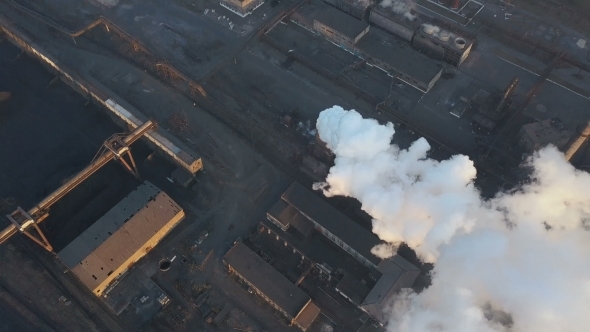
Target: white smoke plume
{"points": [[399, 6], [517, 262]]}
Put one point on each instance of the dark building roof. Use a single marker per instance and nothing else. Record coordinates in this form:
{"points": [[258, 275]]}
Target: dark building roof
{"points": [[344, 24], [542, 133], [316, 209], [282, 212], [397, 273], [287, 215], [352, 288], [399, 56], [268, 281], [401, 19]]}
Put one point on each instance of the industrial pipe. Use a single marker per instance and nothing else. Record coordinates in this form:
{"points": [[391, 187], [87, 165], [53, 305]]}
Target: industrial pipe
{"points": [[60, 192], [578, 142]]}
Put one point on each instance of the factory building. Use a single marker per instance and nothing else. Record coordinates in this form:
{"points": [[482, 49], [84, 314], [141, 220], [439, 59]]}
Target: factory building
{"points": [[377, 48], [537, 135], [442, 44], [339, 28], [356, 8], [401, 25], [117, 240], [396, 273], [271, 285], [337, 227], [241, 7], [399, 60], [391, 275]]}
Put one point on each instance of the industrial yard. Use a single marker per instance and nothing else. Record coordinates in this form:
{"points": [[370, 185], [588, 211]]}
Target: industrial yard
{"points": [[158, 156]]}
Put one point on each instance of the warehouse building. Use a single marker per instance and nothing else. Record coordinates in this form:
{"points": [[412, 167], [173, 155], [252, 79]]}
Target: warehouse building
{"points": [[396, 273], [442, 44], [537, 135], [271, 285], [401, 25], [337, 227], [339, 28], [399, 60], [117, 240], [391, 274], [356, 8], [241, 7]]}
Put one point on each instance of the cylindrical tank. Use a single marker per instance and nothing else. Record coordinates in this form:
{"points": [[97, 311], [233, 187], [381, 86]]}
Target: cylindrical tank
{"points": [[460, 43], [455, 4]]}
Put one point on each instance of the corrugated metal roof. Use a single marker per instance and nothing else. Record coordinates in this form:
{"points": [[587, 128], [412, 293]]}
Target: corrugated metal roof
{"points": [[266, 279], [107, 225], [142, 219]]}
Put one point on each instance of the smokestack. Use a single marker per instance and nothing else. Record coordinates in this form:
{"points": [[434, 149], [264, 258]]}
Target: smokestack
{"points": [[455, 4], [578, 142], [507, 93]]}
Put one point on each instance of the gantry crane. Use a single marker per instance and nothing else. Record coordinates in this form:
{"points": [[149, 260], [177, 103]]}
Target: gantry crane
{"points": [[116, 147]]}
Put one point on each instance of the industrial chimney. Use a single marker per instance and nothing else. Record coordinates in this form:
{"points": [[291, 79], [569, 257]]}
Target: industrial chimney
{"points": [[578, 142]]}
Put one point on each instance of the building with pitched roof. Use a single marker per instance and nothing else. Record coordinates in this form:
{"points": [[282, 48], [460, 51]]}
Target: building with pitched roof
{"points": [[271, 285], [117, 240]]}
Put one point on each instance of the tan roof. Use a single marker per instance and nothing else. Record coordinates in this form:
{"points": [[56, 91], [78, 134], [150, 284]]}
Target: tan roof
{"points": [[307, 315], [121, 237]]}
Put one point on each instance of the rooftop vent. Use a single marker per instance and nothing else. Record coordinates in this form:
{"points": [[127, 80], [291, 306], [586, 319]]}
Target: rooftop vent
{"points": [[444, 35], [429, 29]]}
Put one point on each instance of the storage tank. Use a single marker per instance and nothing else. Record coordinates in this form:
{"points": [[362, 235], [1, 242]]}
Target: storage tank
{"points": [[460, 43]]}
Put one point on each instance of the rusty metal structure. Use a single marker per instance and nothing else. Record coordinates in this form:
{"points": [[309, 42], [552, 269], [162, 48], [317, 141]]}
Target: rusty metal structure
{"points": [[577, 142], [507, 93], [116, 147], [527, 99]]}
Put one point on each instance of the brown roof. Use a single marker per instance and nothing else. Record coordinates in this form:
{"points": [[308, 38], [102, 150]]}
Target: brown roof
{"points": [[307, 315]]}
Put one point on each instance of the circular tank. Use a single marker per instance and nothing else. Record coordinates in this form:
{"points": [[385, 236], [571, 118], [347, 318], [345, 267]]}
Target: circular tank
{"points": [[165, 265], [460, 43]]}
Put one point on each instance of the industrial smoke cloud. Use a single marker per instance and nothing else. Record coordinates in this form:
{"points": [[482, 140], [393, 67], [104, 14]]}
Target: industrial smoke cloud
{"points": [[403, 7], [517, 262]]}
